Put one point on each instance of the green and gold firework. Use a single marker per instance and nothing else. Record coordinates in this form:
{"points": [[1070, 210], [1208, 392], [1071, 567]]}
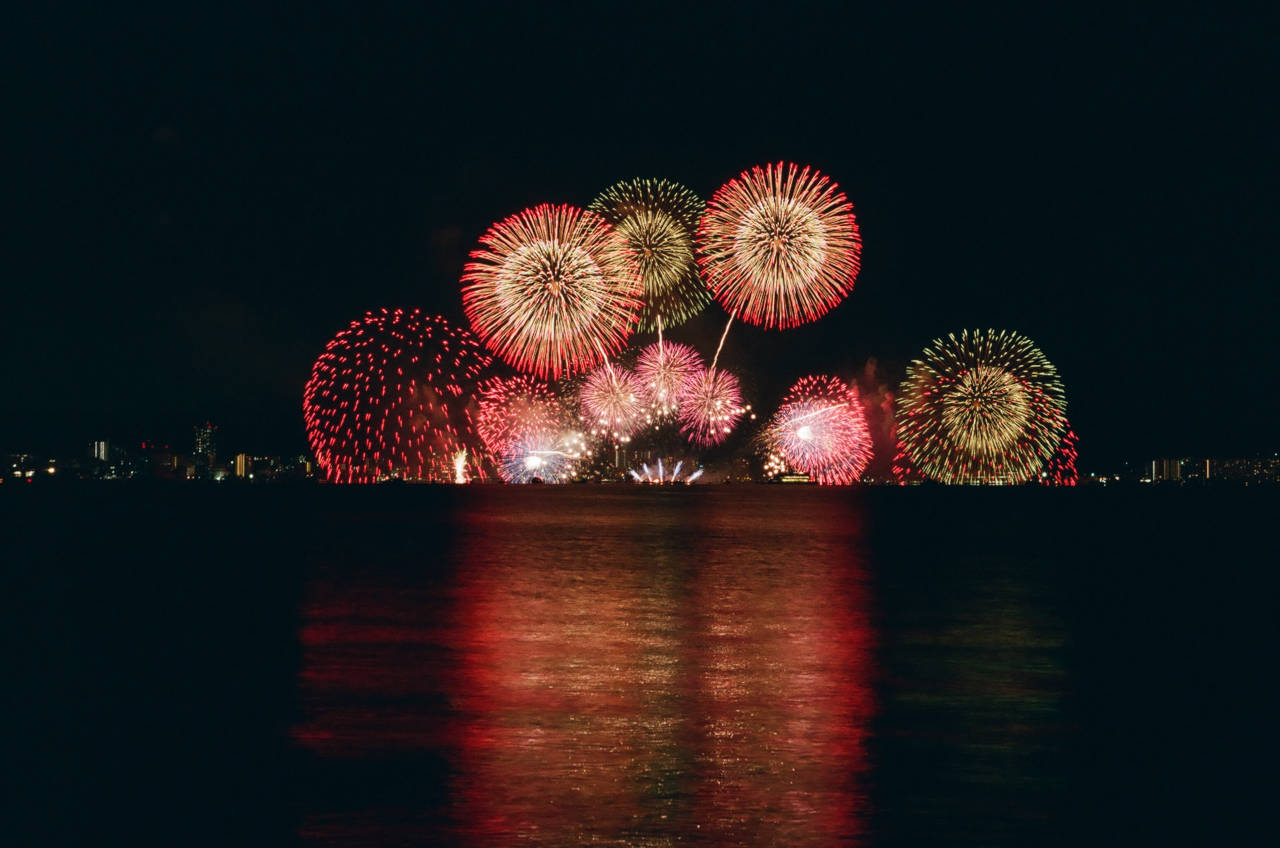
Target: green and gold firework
{"points": [[980, 408], [658, 218]]}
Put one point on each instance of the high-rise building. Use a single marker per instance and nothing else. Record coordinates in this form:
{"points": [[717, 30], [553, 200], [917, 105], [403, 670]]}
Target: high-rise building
{"points": [[244, 466], [206, 443], [100, 451]]}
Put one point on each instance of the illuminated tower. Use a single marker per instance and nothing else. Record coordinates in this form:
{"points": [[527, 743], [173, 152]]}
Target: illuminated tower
{"points": [[206, 443]]}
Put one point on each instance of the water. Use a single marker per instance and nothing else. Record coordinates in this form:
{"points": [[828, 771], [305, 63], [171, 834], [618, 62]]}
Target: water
{"points": [[614, 666]]}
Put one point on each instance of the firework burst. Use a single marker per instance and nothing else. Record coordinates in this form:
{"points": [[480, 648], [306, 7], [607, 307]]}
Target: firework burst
{"points": [[710, 406], [391, 397], [612, 399], [551, 456], [659, 476], [513, 406], [779, 245], [1060, 470], [821, 429], [658, 219], [664, 369], [552, 290], [980, 408]]}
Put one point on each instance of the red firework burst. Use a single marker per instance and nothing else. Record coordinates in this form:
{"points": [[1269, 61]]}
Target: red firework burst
{"points": [[612, 400], [779, 245], [710, 407], [821, 429], [552, 290], [664, 369], [391, 397], [510, 408], [1060, 470]]}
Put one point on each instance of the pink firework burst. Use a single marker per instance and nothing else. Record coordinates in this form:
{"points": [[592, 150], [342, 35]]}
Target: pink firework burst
{"points": [[710, 407], [821, 429], [552, 290], [612, 399], [664, 369], [779, 245]]}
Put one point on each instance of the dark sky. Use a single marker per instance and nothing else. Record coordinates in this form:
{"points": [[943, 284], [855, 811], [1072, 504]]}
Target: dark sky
{"points": [[200, 198]]}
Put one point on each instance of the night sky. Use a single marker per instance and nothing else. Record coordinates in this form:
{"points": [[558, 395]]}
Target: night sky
{"points": [[200, 199]]}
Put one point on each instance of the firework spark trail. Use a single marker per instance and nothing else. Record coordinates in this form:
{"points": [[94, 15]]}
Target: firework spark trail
{"points": [[723, 336], [553, 290], [980, 408], [391, 396], [779, 245], [658, 219], [646, 474]]}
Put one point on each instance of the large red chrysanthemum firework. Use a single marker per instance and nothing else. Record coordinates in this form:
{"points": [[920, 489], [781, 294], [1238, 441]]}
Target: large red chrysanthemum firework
{"points": [[391, 397], [821, 429], [779, 245], [552, 290]]}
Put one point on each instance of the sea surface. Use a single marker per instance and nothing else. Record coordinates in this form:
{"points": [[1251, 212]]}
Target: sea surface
{"points": [[625, 666]]}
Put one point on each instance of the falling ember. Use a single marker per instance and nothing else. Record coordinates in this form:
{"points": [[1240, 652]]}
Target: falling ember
{"points": [[552, 290], [391, 397], [980, 408], [779, 245]]}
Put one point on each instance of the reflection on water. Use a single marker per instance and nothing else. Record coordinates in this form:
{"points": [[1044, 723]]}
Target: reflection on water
{"points": [[973, 714], [634, 668], [740, 665]]}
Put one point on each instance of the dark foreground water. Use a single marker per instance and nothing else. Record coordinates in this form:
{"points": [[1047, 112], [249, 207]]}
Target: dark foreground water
{"points": [[610, 666]]}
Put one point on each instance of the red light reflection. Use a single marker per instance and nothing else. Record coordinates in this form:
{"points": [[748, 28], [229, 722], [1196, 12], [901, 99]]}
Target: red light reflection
{"points": [[665, 687]]}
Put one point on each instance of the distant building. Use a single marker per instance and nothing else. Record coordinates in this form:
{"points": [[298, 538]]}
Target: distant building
{"points": [[1166, 470], [100, 451], [157, 461], [206, 443], [244, 466]]}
